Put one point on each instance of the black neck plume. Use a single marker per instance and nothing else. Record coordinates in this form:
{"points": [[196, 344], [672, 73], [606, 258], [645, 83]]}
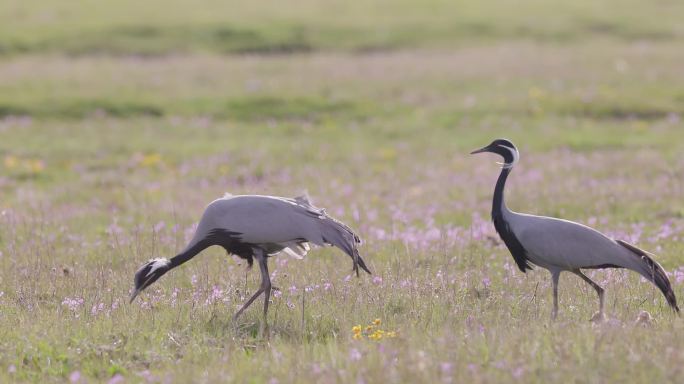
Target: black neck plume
{"points": [[189, 253], [503, 226], [498, 204]]}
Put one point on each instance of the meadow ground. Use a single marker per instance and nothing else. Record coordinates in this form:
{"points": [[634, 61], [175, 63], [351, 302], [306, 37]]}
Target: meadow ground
{"points": [[119, 123]]}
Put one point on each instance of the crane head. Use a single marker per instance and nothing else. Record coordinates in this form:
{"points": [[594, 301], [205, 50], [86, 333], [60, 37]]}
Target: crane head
{"points": [[503, 147], [148, 274]]}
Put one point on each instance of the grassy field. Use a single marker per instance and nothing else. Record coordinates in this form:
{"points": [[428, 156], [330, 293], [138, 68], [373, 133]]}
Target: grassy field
{"points": [[120, 121]]}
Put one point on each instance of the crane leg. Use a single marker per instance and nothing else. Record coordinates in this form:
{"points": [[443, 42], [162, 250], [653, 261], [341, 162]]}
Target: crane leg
{"points": [[555, 275], [265, 284], [599, 316], [248, 303]]}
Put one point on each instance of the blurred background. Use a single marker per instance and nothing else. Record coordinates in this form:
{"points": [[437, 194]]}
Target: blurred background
{"points": [[228, 95], [88, 84], [273, 60]]}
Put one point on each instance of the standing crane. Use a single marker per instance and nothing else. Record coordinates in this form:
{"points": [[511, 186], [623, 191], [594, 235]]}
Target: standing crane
{"points": [[257, 227], [561, 245]]}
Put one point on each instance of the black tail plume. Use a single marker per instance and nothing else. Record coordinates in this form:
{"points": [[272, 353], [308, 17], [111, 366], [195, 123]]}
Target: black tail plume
{"points": [[655, 273], [338, 234]]}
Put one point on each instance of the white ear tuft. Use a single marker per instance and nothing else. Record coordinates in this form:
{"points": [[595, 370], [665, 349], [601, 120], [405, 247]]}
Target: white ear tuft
{"points": [[514, 153], [158, 263]]}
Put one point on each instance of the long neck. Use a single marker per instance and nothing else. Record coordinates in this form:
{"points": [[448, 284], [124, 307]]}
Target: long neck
{"points": [[188, 253], [499, 204]]}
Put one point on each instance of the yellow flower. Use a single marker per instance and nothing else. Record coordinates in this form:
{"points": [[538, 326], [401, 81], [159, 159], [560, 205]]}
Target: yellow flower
{"points": [[357, 336], [151, 160], [369, 328], [536, 93], [356, 329], [36, 166], [10, 161], [386, 153], [377, 322]]}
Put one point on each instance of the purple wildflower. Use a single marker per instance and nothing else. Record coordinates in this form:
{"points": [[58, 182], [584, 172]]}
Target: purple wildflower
{"points": [[72, 303], [354, 354], [116, 379], [486, 282], [75, 377]]}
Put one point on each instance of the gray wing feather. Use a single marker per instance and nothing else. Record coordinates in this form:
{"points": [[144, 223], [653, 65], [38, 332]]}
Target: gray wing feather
{"points": [[563, 244], [268, 219]]}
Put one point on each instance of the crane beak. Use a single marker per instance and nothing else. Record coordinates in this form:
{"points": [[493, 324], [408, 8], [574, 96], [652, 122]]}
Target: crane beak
{"points": [[483, 149], [134, 295]]}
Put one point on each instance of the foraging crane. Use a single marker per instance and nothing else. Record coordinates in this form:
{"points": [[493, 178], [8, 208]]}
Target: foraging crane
{"points": [[256, 227], [561, 245]]}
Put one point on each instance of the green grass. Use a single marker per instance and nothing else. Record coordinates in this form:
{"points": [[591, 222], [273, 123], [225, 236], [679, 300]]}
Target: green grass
{"points": [[160, 28], [247, 109], [120, 121]]}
